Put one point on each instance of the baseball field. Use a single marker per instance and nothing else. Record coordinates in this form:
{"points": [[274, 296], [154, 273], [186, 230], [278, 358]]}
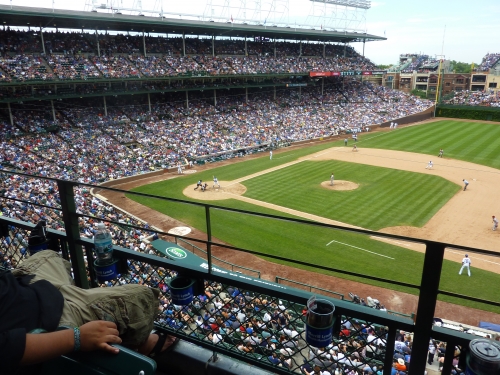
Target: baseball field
{"points": [[383, 186]]}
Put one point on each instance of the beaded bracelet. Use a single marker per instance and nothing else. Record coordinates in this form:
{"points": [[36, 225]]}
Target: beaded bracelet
{"points": [[76, 331]]}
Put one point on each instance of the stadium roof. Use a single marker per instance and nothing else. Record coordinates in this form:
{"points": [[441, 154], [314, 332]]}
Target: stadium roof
{"points": [[68, 19]]}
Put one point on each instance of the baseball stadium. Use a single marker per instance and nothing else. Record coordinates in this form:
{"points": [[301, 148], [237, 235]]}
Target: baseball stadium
{"points": [[246, 174]]}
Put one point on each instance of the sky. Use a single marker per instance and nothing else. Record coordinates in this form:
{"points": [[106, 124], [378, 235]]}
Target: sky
{"points": [[469, 29]]}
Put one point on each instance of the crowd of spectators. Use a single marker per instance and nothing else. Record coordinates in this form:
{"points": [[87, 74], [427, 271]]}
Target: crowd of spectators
{"points": [[488, 62], [72, 67], [93, 146], [24, 68], [486, 98], [417, 62], [77, 55]]}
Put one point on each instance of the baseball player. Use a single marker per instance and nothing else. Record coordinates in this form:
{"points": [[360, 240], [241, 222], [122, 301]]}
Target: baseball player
{"points": [[271, 155], [429, 165], [441, 152], [466, 183], [355, 148], [465, 264], [198, 184], [216, 182], [345, 142], [332, 179], [495, 222]]}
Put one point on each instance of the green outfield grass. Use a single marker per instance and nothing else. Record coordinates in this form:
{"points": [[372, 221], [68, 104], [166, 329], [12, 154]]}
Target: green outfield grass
{"points": [[469, 141], [377, 202], [385, 198]]}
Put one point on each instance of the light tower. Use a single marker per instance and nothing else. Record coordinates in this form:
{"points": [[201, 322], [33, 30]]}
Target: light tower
{"points": [[340, 15]]}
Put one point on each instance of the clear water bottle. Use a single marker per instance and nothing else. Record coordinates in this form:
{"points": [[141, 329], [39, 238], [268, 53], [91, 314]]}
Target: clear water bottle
{"points": [[103, 245]]}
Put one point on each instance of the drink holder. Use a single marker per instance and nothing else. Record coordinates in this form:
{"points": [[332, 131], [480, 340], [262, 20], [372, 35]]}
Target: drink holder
{"points": [[105, 272], [183, 289]]}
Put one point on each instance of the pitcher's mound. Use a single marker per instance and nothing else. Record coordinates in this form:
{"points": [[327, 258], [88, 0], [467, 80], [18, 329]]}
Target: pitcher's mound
{"points": [[339, 185], [225, 191]]}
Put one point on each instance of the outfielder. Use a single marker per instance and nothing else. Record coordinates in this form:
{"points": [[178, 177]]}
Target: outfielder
{"points": [[465, 263], [271, 155], [495, 222], [216, 182], [441, 152]]}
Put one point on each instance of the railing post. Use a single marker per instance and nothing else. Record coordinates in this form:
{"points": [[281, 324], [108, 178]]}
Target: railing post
{"points": [[389, 349], [70, 219], [431, 274], [209, 239]]}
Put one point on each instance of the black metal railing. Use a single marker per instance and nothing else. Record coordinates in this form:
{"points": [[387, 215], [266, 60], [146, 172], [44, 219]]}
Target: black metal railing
{"points": [[362, 336]]}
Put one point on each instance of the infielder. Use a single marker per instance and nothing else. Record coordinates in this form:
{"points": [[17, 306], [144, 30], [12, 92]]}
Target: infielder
{"points": [[332, 179], [198, 184], [495, 222], [216, 182], [429, 165], [441, 152], [355, 148], [466, 183], [465, 263]]}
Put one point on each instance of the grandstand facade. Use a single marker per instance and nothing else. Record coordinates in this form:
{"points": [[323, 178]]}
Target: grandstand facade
{"points": [[80, 109]]}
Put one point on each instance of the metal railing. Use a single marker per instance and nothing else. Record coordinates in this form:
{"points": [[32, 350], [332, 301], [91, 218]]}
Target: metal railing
{"points": [[195, 249], [309, 287], [157, 270]]}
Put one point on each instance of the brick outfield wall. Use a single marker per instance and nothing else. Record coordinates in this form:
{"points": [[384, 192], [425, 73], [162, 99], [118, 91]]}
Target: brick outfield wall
{"points": [[425, 115]]}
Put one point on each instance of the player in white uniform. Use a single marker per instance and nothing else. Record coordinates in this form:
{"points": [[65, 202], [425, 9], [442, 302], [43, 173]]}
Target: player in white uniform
{"points": [[429, 165], [332, 179], [466, 183], [465, 264], [495, 222], [271, 155], [216, 182]]}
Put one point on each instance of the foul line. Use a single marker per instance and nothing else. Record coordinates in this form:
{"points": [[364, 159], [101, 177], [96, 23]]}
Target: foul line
{"points": [[359, 248], [476, 258]]}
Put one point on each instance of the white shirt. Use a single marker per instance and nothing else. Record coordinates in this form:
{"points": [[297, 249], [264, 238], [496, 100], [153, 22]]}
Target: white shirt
{"points": [[466, 261]]}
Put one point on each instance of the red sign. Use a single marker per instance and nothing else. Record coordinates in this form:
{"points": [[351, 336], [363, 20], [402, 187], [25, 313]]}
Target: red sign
{"points": [[320, 74]]}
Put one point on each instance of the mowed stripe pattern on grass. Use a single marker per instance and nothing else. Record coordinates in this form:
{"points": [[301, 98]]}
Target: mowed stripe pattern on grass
{"points": [[469, 141], [309, 243], [385, 197]]}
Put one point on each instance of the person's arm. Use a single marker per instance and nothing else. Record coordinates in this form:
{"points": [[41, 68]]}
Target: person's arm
{"points": [[96, 335]]}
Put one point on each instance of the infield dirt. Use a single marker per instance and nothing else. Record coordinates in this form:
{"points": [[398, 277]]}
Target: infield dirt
{"points": [[464, 220]]}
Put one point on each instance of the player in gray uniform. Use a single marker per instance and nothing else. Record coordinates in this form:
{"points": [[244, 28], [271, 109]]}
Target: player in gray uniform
{"points": [[465, 264], [216, 182], [495, 222], [332, 179]]}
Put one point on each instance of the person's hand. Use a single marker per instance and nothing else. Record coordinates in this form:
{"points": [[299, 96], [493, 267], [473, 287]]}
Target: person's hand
{"points": [[98, 335]]}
